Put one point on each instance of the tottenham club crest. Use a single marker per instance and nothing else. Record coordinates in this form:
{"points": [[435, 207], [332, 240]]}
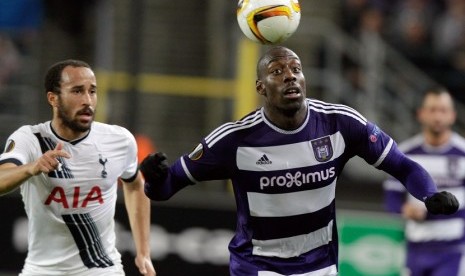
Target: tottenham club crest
{"points": [[322, 149], [102, 162]]}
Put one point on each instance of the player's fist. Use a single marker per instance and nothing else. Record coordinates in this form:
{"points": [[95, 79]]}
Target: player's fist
{"points": [[443, 203], [154, 167]]}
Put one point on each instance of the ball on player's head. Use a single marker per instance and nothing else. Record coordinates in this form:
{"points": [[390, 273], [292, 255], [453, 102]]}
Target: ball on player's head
{"points": [[268, 21]]}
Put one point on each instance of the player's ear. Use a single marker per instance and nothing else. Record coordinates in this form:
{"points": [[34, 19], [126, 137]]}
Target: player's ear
{"points": [[260, 87], [420, 115], [52, 98]]}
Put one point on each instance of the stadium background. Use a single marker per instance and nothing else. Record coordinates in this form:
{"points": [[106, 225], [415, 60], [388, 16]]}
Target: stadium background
{"points": [[173, 70]]}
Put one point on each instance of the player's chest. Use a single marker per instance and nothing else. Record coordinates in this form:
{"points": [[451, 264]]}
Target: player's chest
{"points": [[287, 152], [90, 168], [86, 179], [95, 162]]}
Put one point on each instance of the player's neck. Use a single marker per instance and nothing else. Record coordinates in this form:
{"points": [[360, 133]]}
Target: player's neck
{"points": [[286, 121], [437, 140], [65, 132]]}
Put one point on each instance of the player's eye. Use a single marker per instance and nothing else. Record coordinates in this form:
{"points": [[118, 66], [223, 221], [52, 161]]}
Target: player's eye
{"points": [[276, 71]]}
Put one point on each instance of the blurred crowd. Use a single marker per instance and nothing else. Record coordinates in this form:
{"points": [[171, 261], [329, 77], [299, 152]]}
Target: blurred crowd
{"points": [[20, 21], [429, 33]]}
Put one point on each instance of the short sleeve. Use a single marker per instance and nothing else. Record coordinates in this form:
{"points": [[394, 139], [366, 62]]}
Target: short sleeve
{"points": [[373, 144], [20, 147], [131, 168]]}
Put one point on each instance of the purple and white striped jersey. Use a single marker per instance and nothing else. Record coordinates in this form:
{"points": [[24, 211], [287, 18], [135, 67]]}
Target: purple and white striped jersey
{"points": [[284, 184], [446, 165]]}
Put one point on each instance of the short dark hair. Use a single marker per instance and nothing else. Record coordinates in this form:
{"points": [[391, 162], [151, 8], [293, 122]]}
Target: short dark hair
{"points": [[436, 91], [53, 76]]}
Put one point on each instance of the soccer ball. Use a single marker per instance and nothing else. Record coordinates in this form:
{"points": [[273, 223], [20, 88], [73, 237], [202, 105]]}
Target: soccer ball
{"points": [[268, 21]]}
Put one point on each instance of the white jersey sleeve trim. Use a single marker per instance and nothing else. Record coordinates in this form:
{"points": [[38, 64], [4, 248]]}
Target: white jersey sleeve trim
{"points": [[186, 170], [384, 154], [328, 108]]}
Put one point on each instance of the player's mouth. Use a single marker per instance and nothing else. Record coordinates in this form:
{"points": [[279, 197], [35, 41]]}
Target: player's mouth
{"points": [[292, 93], [86, 114]]}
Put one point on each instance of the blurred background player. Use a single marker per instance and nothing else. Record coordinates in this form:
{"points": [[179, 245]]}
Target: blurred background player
{"points": [[435, 243], [284, 160], [67, 170]]}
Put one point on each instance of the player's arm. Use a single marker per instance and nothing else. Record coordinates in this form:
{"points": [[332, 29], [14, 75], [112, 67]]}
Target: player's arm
{"points": [[138, 209], [161, 180], [418, 182], [204, 163], [380, 150], [12, 175]]}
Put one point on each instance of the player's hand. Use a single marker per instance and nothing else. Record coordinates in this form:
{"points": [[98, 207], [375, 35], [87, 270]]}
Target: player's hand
{"points": [[154, 167], [443, 203], [145, 266], [49, 160], [414, 211]]}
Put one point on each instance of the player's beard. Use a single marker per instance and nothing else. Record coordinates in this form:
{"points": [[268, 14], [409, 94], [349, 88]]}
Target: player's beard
{"points": [[72, 122], [291, 108], [437, 129]]}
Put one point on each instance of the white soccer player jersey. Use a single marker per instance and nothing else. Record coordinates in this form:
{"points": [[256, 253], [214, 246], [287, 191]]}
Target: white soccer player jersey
{"points": [[71, 210]]}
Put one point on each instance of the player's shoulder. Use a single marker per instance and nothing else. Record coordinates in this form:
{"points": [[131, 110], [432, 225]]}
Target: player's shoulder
{"points": [[411, 143], [338, 111], [109, 129], [458, 141], [232, 131], [30, 130]]}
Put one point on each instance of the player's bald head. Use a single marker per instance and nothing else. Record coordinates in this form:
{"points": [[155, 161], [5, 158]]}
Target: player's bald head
{"points": [[272, 54]]}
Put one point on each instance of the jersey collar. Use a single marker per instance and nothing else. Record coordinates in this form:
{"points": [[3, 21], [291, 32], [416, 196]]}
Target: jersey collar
{"points": [[283, 131], [72, 142]]}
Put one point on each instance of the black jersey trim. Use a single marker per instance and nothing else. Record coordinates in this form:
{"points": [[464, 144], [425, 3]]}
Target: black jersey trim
{"points": [[73, 142], [47, 144], [88, 240], [132, 178], [11, 160]]}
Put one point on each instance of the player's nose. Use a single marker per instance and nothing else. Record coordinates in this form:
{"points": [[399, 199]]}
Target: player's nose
{"points": [[289, 76]]}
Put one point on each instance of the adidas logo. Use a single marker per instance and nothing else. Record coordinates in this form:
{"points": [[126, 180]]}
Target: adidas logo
{"points": [[263, 160]]}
